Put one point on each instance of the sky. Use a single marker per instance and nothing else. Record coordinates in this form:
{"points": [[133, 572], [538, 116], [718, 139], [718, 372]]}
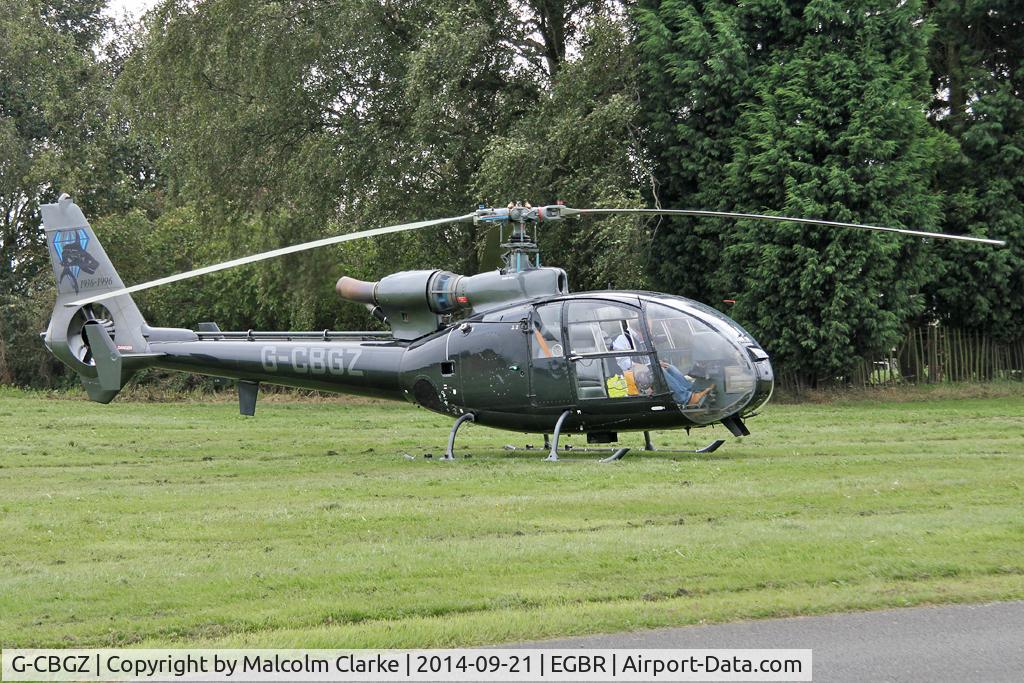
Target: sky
{"points": [[135, 8]]}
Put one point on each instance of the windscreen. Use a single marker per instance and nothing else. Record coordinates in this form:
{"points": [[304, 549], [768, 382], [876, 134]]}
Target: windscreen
{"points": [[709, 376]]}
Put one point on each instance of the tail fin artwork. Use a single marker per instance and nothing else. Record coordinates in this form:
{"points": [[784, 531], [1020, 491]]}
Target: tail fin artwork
{"points": [[104, 343]]}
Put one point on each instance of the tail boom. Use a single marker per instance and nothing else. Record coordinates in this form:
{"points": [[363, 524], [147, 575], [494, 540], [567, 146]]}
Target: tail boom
{"points": [[358, 367]]}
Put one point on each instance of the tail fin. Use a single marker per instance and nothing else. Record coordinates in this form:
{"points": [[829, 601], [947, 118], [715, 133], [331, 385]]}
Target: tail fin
{"points": [[80, 266]]}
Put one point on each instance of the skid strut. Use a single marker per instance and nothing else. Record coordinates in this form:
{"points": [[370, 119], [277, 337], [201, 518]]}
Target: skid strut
{"points": [[553, 455], [710, 448], [617, 455], [450, 453]]}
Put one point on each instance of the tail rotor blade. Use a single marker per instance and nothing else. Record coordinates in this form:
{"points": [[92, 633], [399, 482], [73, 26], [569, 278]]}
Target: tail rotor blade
{"points": [[295, 248], [783, 219]]}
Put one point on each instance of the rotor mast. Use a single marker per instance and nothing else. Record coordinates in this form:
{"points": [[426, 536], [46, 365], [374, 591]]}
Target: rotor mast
{"points": [[520, 245], [522, 252]]}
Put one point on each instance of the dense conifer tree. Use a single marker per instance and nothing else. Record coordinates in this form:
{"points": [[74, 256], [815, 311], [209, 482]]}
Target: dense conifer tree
{"points": [[977, 60], [814, 109]]}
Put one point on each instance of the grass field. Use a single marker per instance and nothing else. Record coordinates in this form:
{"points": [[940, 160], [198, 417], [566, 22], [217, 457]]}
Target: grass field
{"points": [[183, 523]]}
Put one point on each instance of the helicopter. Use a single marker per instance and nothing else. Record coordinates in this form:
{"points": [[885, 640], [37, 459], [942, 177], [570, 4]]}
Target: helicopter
{"points": [[511, 348]]}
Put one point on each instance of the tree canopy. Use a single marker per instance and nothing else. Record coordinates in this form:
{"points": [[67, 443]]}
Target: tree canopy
{"points": [[808, 109], [213, 129]]}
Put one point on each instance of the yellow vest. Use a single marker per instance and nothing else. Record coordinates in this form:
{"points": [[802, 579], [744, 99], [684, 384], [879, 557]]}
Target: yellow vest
{"points": [[617, 387]]}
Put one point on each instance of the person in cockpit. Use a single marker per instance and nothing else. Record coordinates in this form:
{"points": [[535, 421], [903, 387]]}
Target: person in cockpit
{"points": [[681, 387]]}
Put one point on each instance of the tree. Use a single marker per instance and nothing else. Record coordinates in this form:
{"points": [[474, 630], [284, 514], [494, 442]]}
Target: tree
{"points": [[580, 143], [814, 109], [546, 30], [57, 134], [977, 58], [285, 122]]}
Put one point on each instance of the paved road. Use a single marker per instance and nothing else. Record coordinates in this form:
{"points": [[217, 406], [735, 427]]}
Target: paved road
{"points": [[954, 643]]}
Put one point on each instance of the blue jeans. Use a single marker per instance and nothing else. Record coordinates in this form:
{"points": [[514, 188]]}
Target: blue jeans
{"points": [[680, 387]]}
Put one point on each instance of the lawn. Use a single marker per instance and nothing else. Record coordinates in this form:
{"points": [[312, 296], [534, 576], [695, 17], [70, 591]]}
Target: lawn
{"points": [[175, 524]]}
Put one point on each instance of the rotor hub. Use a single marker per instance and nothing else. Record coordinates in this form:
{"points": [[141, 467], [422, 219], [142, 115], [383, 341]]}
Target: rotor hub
{"points": [[522, 252]]}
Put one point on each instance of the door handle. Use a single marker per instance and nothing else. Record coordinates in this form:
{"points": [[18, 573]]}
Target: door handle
{"points": [[575, 358]]}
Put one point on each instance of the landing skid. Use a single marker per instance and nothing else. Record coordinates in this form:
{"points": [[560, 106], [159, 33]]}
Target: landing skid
{"points": [[620, 453], [450, 453], [617, 454]]}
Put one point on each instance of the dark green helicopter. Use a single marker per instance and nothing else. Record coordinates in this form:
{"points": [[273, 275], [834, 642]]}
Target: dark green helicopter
{"points": [[510, 348]]}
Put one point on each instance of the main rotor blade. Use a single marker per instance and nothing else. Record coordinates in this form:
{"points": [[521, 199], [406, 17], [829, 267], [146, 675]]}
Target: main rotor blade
{"points": [[269, 255], [786, 219]]}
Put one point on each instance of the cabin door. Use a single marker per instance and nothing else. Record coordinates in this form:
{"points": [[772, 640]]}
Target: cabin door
{"points": [[550, 381]]}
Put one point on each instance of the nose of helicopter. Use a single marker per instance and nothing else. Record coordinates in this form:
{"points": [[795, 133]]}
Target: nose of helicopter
{"points": [[764, 383], [713, 367], [730, 387]]}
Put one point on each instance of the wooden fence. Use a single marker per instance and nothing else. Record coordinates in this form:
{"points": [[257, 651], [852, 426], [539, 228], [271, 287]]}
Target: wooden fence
{"points": [[934, 354]]}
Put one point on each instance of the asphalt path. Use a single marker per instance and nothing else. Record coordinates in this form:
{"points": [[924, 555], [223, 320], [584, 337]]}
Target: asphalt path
{"points": [[950, 643]]}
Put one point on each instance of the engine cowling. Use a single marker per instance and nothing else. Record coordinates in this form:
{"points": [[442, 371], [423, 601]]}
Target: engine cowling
{"points": [[414, 302]]}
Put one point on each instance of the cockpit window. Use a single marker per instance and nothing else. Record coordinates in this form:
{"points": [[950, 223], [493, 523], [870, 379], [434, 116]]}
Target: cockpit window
{"points": [[708, 375], [546, 340], [610, 352], [600, 311], [712, 313], [596, 327]]}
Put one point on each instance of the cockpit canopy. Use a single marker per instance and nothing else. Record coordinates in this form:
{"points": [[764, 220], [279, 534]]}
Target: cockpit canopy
{"points": [[696, 357], [699, 357]]}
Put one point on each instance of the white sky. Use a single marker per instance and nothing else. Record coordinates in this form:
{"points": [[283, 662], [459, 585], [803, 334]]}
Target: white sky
{"points": [[134, 8]]}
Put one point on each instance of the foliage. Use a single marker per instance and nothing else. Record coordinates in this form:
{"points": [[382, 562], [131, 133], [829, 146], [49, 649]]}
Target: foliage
{"points": [[47, 79], [214, 129], [312, 121], [807, 109], [580, 143], [977, 57], [57, 133]]}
